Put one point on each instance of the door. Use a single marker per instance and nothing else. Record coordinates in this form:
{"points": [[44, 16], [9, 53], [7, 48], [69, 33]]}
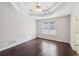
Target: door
{"points": [[77, 34]]}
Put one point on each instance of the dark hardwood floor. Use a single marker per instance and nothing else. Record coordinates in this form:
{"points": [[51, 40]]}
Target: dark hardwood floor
{"points": [[40, 47]]}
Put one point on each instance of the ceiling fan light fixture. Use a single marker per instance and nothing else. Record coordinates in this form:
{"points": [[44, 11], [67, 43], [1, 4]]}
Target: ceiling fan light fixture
{"points": [[38, 8]]}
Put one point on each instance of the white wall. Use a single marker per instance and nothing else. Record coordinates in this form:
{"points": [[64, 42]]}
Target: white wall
{"points": [[62, 29], [14, 27]]}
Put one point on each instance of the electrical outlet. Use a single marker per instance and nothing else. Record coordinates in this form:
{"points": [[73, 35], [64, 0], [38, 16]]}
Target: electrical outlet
{"points": [[11, 42]]}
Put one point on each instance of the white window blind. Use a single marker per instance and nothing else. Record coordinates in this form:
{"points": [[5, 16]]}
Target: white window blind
{"points": [[49, 28]]}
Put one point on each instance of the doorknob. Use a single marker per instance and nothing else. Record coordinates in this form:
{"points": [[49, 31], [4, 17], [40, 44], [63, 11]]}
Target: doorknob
{"points": [[76, 45]]}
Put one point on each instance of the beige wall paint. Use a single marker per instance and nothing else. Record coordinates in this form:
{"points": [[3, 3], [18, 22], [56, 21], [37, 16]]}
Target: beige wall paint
{"points": [[62, 29]]}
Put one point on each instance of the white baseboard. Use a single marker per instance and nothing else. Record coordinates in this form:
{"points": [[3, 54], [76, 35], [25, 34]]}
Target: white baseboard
{"points": [[16, 44]]}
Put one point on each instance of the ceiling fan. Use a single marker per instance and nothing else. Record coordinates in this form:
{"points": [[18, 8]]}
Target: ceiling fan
{"points": [[45, 9], [38, 8]]}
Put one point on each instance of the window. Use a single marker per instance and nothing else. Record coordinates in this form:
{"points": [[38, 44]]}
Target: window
{"points": [[49, 28]]}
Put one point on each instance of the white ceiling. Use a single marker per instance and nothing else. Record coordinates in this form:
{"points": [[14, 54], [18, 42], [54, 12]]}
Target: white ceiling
{"points": [[51, 9]]}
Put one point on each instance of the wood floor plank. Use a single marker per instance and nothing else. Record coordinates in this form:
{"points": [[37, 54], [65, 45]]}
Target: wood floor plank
{"points": [[40, 47]]}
